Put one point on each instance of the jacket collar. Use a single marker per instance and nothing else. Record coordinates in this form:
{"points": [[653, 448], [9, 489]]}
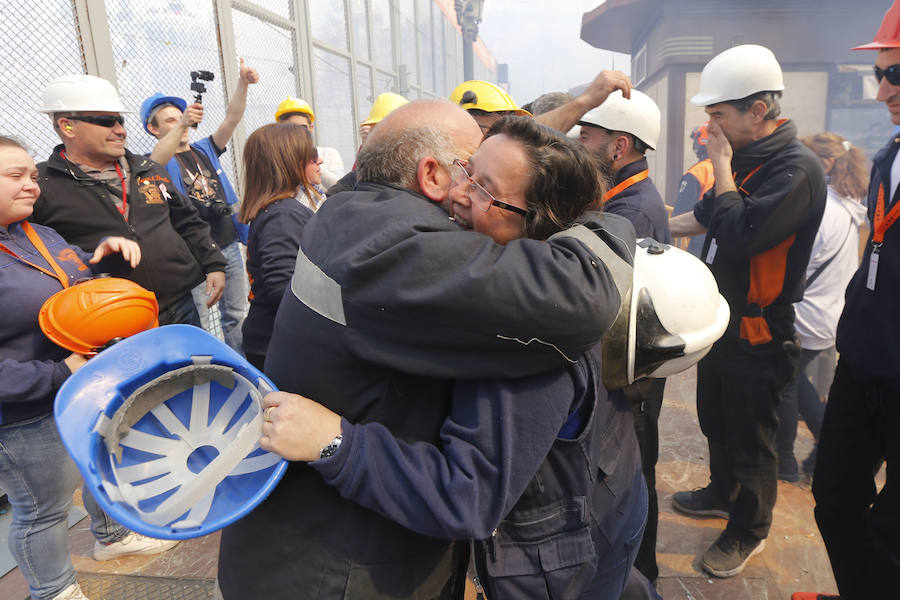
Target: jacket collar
{"points": [[629, 170], [757, 152], [136, 163]]}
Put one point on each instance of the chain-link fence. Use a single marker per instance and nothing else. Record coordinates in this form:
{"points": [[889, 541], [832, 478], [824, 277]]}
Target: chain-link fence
{"points": [[36, 50], [348, 53]]}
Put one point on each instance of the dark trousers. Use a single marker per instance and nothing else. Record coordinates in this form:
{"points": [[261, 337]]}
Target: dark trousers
{"points": [[799, 398], [182, 311], [646, 401], [738, 389], [860, 527]]}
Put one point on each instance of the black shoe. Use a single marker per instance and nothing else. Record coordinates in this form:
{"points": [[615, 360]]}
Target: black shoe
{"points": [[702, 502], [729, 554]]}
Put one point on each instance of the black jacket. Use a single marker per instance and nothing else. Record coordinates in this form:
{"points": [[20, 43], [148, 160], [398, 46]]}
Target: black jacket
{"points": [[176, 248], [868, 332], [641, 204], [398, 301], [271, 253], [764, 232]]}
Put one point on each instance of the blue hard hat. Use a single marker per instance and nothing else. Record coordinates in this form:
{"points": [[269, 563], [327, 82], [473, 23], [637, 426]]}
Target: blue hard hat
{"points": [[155, 100], [164, 427]]}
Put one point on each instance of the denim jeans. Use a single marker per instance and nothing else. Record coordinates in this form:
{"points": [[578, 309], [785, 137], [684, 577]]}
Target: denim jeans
{"points": [[233, 303], [40, 478]]}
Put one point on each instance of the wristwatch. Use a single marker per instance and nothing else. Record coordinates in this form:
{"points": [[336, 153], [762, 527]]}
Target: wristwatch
{"points": [[332, 447]]}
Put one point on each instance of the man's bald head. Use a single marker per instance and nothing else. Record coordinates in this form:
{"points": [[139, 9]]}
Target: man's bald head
{"points": [[424, 134]]}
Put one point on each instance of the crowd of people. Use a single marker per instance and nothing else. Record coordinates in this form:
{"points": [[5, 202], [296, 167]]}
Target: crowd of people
{"points": [[438, 320]]}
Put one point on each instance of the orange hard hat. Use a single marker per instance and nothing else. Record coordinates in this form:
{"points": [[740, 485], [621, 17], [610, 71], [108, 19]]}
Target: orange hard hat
{"points": [[87, 316], [888, 35], [700, 134]]}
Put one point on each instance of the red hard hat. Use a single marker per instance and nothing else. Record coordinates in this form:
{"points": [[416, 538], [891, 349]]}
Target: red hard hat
{"points": [[888, 35], [85, 317]]}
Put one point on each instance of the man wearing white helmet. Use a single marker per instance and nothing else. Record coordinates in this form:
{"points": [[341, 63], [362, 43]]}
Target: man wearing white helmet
{"points": [[93, 187], [761, 219], [618, 133]]}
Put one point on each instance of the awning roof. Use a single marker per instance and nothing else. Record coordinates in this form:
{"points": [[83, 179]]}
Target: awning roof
{"points": [[613, 24]]}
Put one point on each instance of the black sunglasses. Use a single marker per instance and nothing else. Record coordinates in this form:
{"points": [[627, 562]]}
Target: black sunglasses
{"points": [[892, 73], [101, 120]]}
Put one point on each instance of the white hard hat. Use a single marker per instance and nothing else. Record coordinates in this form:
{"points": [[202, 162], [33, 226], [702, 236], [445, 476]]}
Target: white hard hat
{"points": [[737, 73], [638, 116], [81, 93], [676, 315]]}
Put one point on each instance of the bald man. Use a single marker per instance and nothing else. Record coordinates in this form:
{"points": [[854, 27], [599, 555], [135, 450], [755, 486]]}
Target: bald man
{"points": [[391, 300]]}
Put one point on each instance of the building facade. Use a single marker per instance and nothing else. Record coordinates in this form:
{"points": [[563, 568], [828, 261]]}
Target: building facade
{"points": [[828, 87]]}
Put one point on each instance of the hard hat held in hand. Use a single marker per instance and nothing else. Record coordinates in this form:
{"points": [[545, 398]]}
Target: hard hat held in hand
{"points": [[483, 95], [384, 104], [638, 116], [737, 73], [87, 316], [80, 93], [676, 315], [294, 105], [164, 427]]}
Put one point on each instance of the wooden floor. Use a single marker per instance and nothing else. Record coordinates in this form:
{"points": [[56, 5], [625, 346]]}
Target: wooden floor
{"points": [[794, 558]]}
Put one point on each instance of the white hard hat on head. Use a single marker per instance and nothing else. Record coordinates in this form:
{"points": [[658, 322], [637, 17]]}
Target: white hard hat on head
{"points": [[737, 73], [638, 116], [81, 93]]}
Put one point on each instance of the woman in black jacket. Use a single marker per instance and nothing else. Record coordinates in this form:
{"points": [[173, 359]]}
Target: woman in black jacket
{"points": [[278, 197]]}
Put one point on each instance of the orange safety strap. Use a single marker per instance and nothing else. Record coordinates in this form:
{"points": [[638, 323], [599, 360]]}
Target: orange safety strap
{"points": [[881, 223], [626, 184], [38, 243], [744, 180], [767, 272]]}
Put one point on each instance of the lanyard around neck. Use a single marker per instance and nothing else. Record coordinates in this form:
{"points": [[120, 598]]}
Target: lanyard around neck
{"points": [[626, 184], [882, 223], [38, 244]]}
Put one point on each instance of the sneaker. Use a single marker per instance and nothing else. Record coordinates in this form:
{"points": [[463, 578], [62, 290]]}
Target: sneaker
{"points": [[702, 502], [133, 544], [813, 596], [729, 555], [73, 592]]}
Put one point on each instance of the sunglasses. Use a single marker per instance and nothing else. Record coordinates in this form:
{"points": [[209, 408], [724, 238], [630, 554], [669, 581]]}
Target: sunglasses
{"points": [[101, 120], [892, 73]]}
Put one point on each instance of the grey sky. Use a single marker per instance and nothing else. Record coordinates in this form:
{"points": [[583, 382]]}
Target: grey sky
{"points": [[540, 41]]}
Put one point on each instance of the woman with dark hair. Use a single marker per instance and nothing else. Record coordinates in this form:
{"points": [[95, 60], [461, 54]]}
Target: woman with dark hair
{"points": [[834, 259], [543, 471], [36, 472], [280, 167]]}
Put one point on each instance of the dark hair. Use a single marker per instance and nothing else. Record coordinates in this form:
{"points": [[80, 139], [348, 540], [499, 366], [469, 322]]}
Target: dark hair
{"points": [[636, 143], [849, 176], [564, 181], [288, 115], [770, 99], [275, 160]]}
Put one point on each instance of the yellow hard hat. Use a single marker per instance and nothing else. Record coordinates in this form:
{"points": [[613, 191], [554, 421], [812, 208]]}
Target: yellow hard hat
{"points": [[384, 104], [483, 95], [295, 105]]}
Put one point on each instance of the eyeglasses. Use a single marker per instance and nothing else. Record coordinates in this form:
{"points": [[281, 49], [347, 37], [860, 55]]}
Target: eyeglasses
{"points": [[892, 73], [101, 120], [479, 196]]}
